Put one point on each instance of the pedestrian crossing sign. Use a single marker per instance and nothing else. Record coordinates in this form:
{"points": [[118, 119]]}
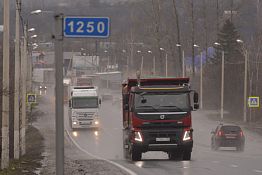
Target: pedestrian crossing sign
{"points": [[31, 98], [253, 102]]}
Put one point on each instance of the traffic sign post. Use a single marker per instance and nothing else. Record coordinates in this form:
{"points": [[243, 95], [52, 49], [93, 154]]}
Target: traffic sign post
{"points": [[253, 102], [91, 27], [31, 98], [73, 27]]}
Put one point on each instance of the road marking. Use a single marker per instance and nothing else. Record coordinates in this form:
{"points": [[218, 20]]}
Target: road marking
{"points": [[257, 171], [234, 166], [100, 158]]}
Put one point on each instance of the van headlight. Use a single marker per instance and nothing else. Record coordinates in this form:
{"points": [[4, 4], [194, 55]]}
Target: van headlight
{"points": [[74, 123], [187, 136], [96, 122]]}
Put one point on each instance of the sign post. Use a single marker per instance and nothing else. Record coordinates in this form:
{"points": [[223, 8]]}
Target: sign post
{"points": [[79, 27]]}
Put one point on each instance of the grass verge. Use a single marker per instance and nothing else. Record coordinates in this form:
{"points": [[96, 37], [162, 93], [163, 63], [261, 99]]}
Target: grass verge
{"points": [[31, 161]]}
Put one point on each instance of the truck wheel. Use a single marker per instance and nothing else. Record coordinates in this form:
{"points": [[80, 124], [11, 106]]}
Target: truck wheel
{"points": [[187, 155], [175, 155], [240, 148], [136, 155]]}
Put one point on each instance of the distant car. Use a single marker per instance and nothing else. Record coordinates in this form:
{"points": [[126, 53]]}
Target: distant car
{"points": [[228, 136], [42, 87]]}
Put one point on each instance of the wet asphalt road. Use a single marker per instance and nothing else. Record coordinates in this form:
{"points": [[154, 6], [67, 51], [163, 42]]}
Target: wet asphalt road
{"points": [[106, 143]]}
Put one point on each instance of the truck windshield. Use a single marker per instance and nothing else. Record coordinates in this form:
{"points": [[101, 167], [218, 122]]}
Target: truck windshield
{"points": [[85, 102], [163, 102]]}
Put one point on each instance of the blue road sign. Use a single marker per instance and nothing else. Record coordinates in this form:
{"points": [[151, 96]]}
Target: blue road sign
{"points": [[31, 98], [93, 27], [253, 102]]}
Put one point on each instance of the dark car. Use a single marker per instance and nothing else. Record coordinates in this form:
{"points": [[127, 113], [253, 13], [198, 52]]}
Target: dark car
{"points": [[228, 136]]}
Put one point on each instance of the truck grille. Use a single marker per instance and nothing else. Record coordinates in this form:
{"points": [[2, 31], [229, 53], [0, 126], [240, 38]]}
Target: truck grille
{"points": [[162, 134], [85, 114]]}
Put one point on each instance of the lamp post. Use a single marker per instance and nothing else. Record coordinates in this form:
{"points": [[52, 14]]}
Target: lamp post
{"points": [[142, 63], [222, 82], [245, 81], [162, 49], [183, 60], [154, 62], [201, 77], [5, 86], [24, 73]]}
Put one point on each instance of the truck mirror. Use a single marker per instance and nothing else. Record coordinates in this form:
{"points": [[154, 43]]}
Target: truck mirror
{"points": [[69, 103], [195, 97], [100, 101], [196, 106]]}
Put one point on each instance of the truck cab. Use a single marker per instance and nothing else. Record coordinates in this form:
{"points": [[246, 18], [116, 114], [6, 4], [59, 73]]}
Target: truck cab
{"points": [[157, 117], [84, 104]]}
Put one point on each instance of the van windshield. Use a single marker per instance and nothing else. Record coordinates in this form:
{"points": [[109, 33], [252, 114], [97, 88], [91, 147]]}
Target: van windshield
{"points": [[85, 102]]}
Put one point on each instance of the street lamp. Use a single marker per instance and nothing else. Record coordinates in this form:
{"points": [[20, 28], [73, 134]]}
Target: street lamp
{"points": [[142, 62], [201, 76], [162, 49], [245, 80], [222, 82], [183, 60], [31, 30], [154, 62], [33, 36], [35, 12]]}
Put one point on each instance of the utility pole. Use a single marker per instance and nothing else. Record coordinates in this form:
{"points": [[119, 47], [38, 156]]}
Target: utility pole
{"points": [[201, 80], [193, 38], [245, 88], [23, 77], [222, 86], [17, 80], [59, 95], [5, 96], [183, 63], [166, 65], [142, 64]]}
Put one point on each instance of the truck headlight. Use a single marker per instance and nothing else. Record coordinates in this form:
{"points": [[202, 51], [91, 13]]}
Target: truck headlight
{"points": [[138, 136], [187, 136], [96, 122], [74, 123]]}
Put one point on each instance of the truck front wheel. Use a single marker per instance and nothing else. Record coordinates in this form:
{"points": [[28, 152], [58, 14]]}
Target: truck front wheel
{"points": [[136, 155], [187, 155], [175, 155]]}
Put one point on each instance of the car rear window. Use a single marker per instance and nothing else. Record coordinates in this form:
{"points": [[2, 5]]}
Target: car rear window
{"points": [[230, 128]]}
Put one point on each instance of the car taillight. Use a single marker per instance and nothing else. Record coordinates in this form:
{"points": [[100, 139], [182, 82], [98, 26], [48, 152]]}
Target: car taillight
{"points": [[241, 134], [220, 133]]}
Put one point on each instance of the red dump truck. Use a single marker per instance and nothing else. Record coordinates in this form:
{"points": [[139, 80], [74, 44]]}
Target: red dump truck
{"points": [[157, 117]]}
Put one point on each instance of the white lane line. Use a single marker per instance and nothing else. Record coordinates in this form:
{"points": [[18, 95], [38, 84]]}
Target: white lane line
{"points": [[100, 158], [257, 171], [234, 166]]}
